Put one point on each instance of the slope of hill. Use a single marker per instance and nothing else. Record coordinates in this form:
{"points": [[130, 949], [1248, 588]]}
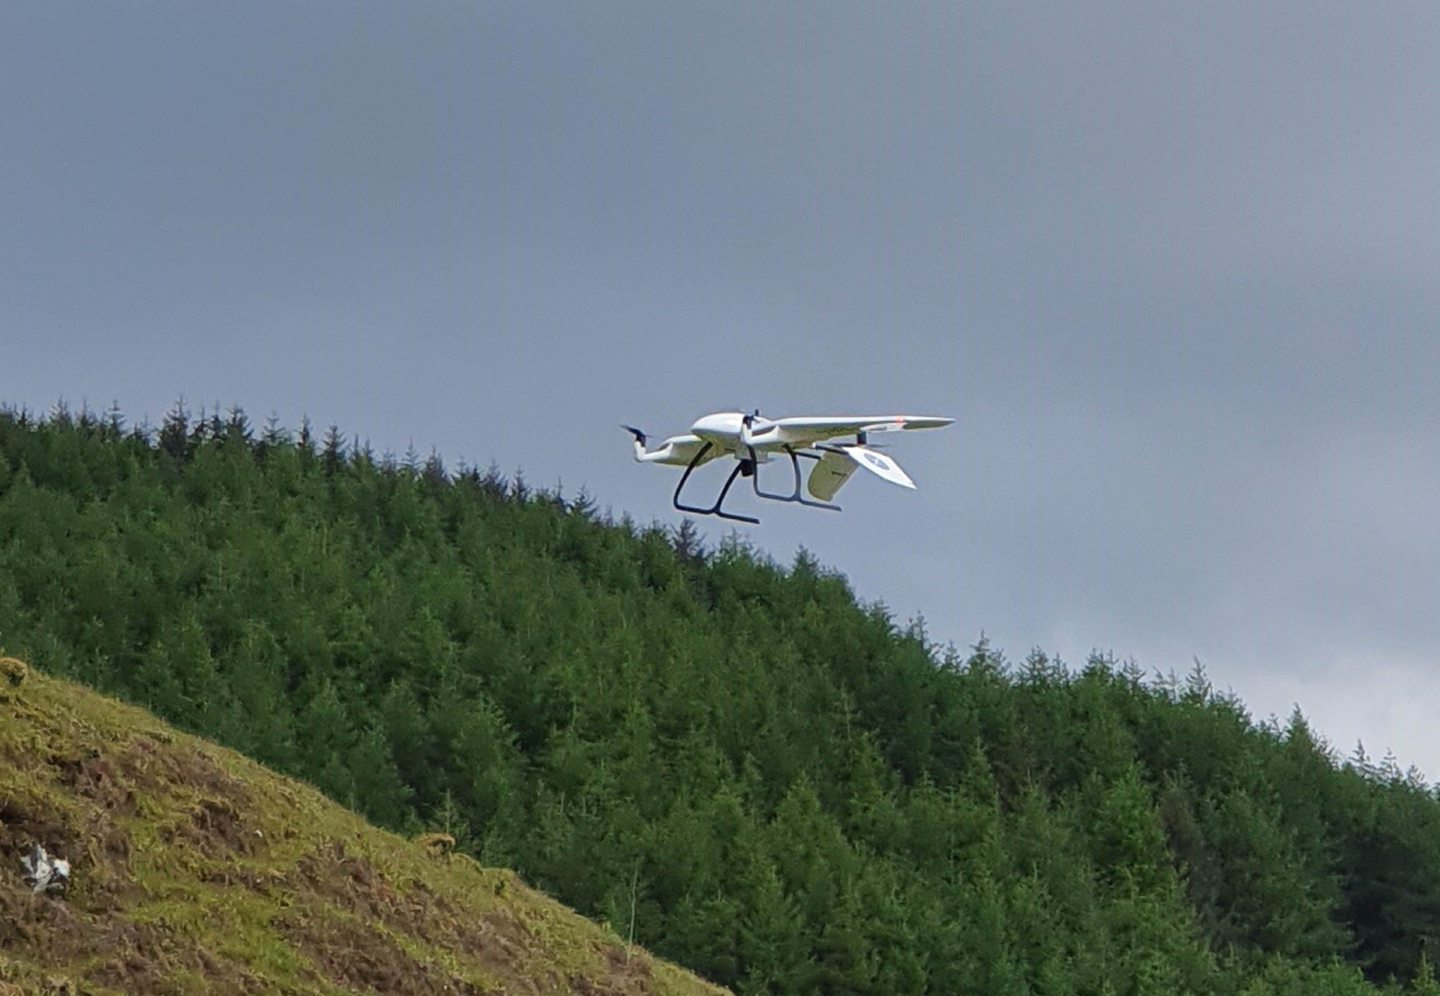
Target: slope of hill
{"points": [[195, 869], [780, 788]]}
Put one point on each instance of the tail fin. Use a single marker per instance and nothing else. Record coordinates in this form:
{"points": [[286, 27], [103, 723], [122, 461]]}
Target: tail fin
{"points": [[830, 474]]}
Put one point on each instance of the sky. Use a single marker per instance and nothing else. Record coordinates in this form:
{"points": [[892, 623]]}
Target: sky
{"points": [[1174, 269]]}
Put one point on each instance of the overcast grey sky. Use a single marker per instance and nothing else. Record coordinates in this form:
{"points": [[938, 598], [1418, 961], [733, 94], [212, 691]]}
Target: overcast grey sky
{"points": [[1174, 268]]}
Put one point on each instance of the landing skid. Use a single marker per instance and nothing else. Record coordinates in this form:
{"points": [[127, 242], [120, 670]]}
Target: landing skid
{"points": [[714, 509], [795, 495], [749, 468]]}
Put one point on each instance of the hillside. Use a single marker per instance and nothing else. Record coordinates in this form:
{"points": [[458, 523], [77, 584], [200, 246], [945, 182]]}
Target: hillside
{"points": [[785, 789], [196, 869]]}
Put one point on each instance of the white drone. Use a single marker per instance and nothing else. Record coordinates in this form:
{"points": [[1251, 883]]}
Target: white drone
{"points": [[753, 440]]}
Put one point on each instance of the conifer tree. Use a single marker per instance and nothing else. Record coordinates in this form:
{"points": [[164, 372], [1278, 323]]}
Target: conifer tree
{"points": [[174, 438], [782, 786]]}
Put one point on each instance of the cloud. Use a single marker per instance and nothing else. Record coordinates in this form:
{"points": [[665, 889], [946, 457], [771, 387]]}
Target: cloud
{"points": [[1172, 269]]}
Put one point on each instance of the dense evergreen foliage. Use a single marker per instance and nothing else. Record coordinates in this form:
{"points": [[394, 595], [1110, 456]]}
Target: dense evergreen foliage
{"points": [[764, 780]]}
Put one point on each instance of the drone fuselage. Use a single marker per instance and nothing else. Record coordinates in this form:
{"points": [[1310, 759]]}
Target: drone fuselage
{"points": [[727, 431]]}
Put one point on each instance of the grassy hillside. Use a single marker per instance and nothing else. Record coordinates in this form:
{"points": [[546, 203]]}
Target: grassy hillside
{"points": [[784, 789], [198, 870]]}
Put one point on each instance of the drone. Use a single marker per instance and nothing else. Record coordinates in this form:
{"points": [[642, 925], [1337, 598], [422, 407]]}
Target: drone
{"points": [[752, 440]]}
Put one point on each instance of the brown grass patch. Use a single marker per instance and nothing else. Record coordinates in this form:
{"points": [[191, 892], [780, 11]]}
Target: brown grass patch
{"points": [[357, 955]]}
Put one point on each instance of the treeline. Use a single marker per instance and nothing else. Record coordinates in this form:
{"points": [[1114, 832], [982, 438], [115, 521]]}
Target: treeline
{"points": [[731, 760]]}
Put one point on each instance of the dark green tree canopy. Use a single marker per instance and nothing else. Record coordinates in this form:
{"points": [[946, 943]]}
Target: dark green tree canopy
{"points": [[764, 779]]}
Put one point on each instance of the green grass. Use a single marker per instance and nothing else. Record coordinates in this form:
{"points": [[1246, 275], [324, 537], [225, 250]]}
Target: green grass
{"points": [[197, 870]]}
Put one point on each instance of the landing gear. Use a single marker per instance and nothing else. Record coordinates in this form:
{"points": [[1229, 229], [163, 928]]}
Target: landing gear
{"points": [[746, 467], [715, 509], [795, 495]]}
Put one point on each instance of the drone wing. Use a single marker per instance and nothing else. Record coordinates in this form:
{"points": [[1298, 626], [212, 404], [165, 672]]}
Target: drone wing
{"points": [[880, 465], [808, 430], [838, 463]]}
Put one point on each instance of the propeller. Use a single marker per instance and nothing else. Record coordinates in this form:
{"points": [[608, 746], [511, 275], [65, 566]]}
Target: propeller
{"points": [[640, 436]]}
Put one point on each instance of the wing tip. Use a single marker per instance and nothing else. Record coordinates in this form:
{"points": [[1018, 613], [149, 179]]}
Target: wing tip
{"points": [[926, 421]]}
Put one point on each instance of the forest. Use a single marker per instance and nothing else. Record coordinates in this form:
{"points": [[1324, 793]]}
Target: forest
{"points": [[732, 761]]}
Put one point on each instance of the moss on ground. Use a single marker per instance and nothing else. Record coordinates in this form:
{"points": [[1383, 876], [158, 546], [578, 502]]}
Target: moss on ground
{"points": [[196, 870]]}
